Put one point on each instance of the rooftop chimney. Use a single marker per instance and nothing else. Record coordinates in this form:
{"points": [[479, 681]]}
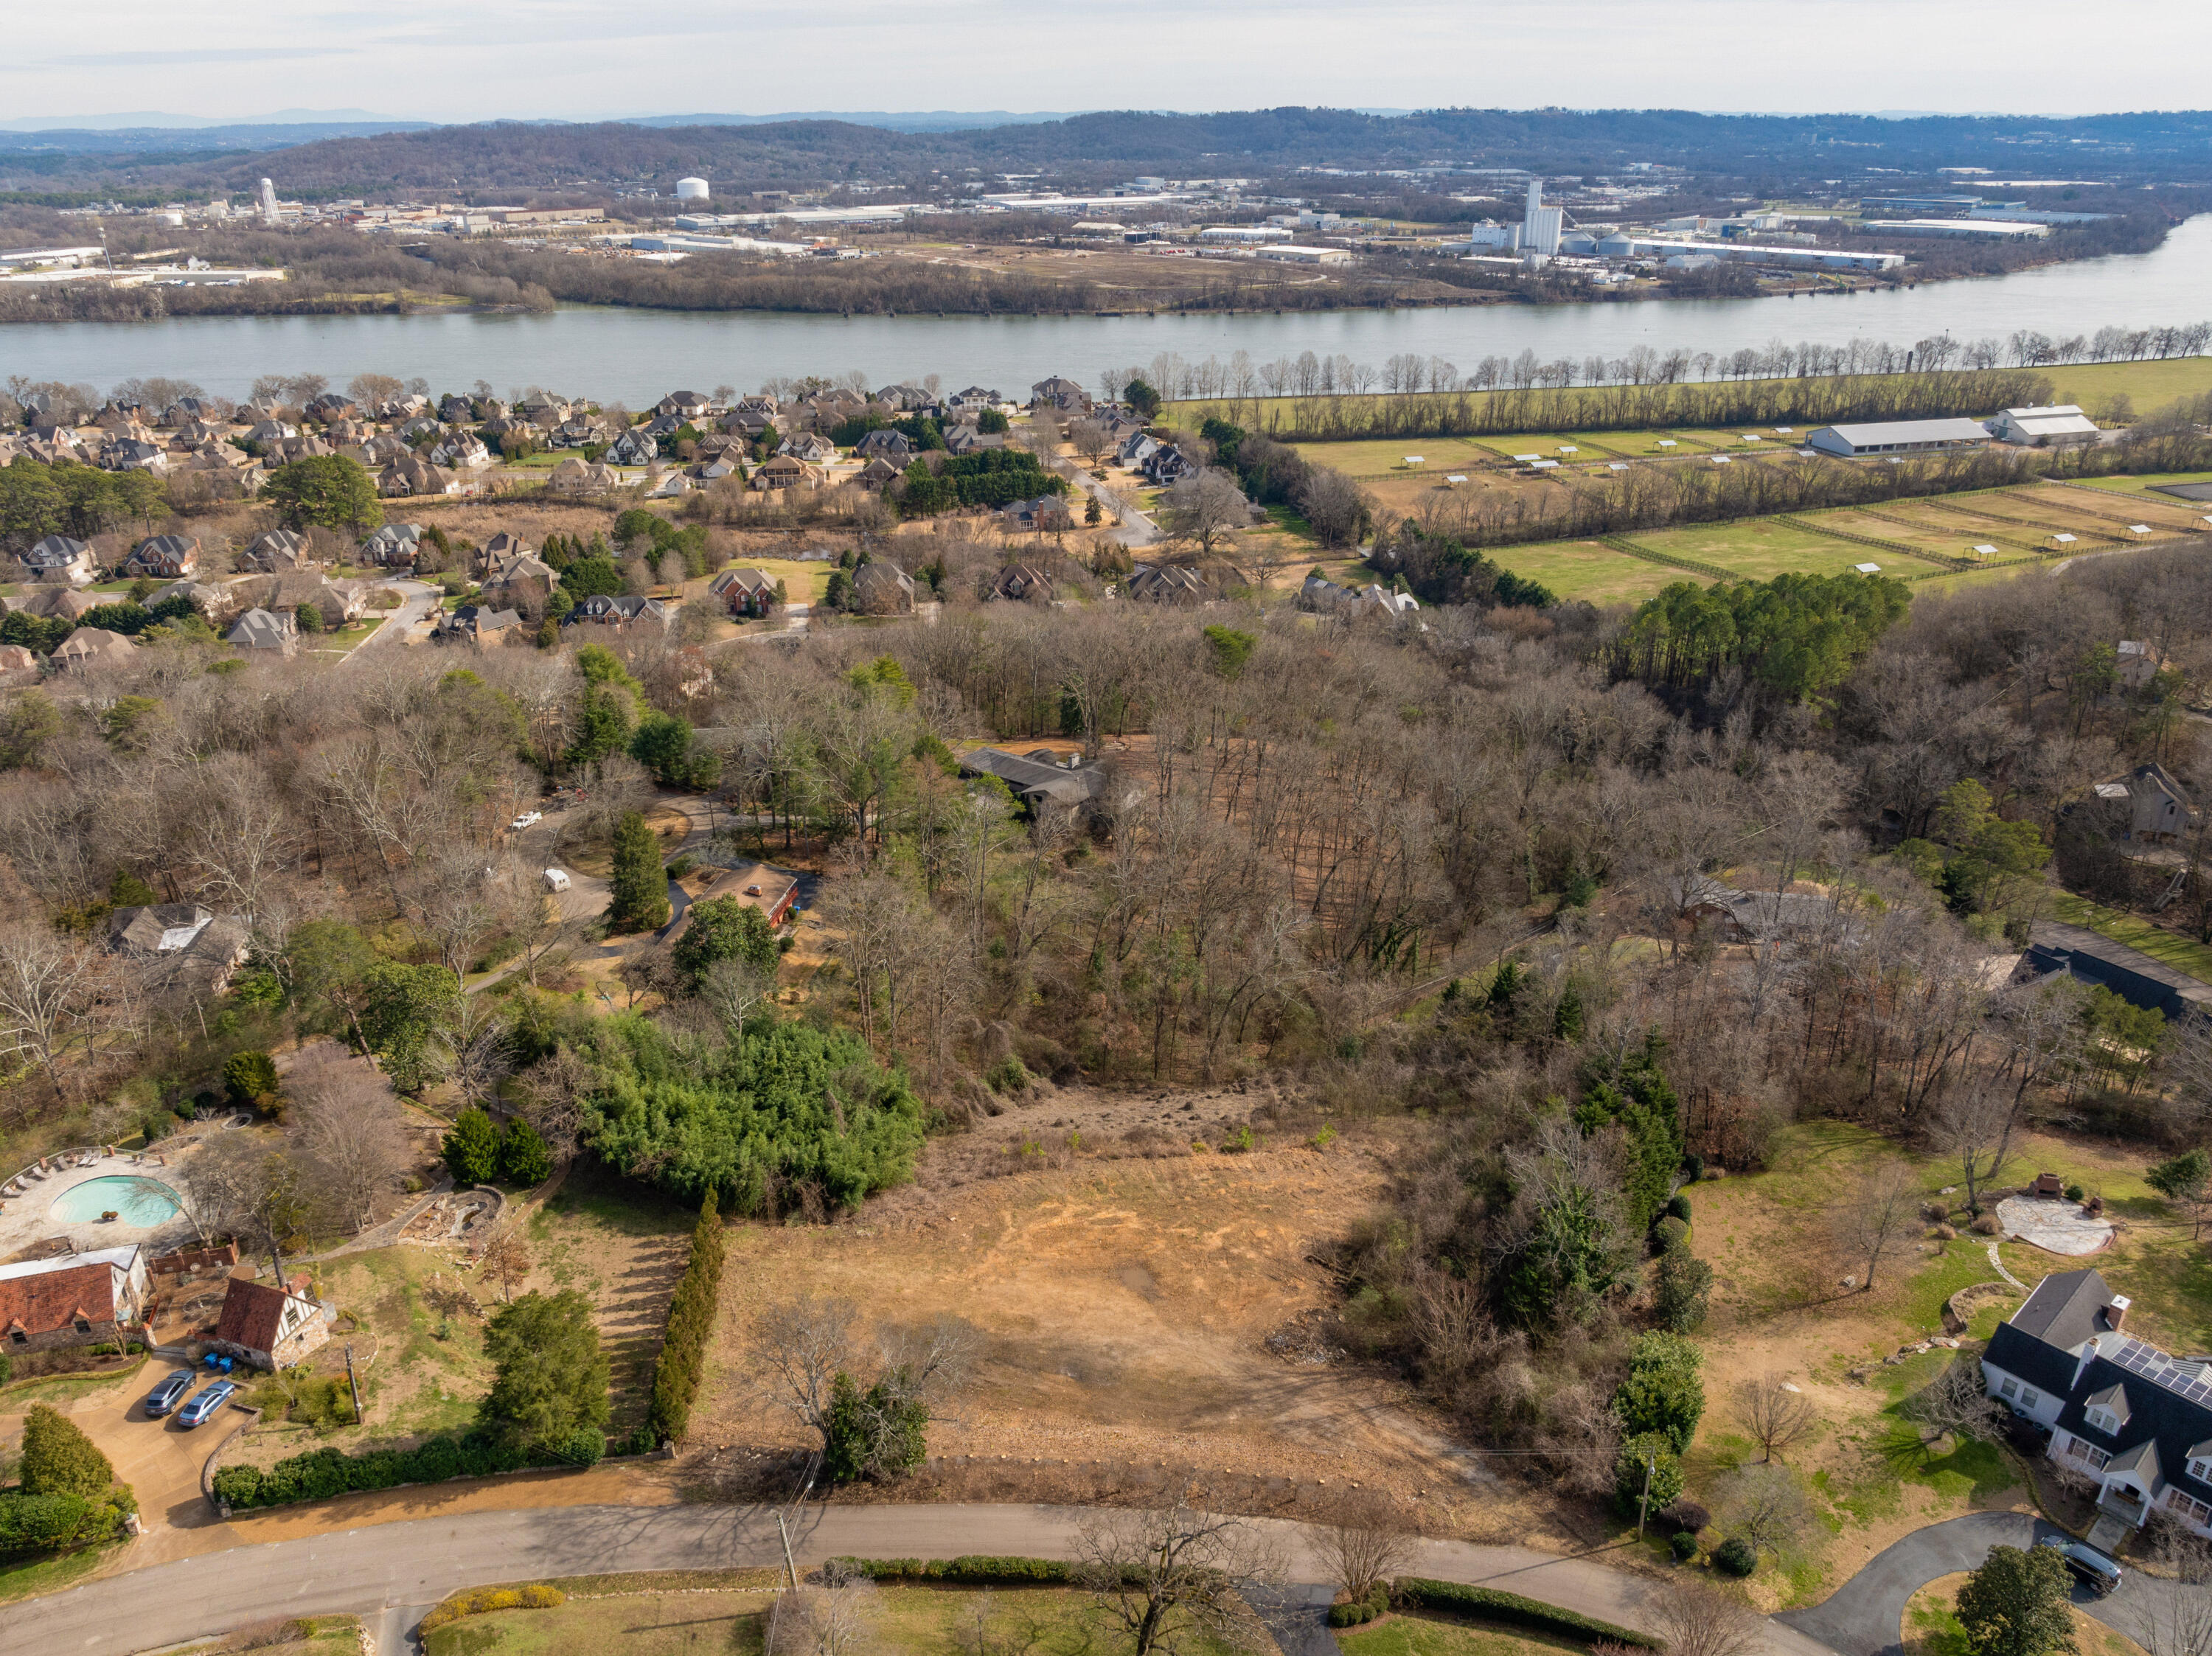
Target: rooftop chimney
{"points": [[2116, 1314]]}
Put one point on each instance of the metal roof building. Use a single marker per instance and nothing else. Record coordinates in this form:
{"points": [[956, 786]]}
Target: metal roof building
{"points": [[1899, 437]]}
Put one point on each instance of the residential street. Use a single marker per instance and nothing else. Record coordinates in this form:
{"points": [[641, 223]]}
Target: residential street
{"points": [[415, 1563], [421, 602], [1136, 529]]}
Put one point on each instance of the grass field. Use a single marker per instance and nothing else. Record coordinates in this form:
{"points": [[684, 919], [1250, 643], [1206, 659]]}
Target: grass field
{"points": [[1586, 569], [2139, 485], [1758, 549], [924, 1620], [1428, 1635]]}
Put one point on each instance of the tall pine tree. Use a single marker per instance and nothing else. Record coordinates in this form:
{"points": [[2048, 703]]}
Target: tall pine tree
{"points": [[640, 902]]}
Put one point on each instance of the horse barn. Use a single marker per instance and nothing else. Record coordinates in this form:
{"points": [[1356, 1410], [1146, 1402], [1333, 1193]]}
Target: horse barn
{"points": [[1900, 437]]}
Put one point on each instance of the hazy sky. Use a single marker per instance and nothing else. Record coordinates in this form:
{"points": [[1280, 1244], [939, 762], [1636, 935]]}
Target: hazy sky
{"points": [[455, 60]]}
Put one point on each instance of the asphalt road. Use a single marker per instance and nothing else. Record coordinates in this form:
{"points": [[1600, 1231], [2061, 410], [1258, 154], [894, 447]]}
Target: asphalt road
{"points": [[370, 1571], [1863, 1615], [419, 600]]}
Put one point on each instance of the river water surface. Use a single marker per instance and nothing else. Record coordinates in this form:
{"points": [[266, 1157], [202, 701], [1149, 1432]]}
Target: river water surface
{"points": [[638, 355]]}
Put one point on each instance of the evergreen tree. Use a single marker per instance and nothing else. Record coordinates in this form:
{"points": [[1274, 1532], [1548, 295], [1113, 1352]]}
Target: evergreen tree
{"points": [[640, 884], [2017, 1605], [1663, 1392], [472, 1150], [550, 1374], [524, 1159], [721, 929], [58, 1459]]}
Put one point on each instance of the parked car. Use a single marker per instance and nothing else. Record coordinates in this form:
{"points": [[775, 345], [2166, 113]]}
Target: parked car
{"points": [[528, 819], [196, 1412], [166, 1396], [2093, 1566]]}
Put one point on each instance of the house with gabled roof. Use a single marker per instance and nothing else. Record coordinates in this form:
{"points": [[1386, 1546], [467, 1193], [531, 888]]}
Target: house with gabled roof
{"points": [[276, 551], [269, 1327], [2134, 1420], [93, 647], [72, 1298], [265, 629], [60, 558], [164, 557], [744, 593]]}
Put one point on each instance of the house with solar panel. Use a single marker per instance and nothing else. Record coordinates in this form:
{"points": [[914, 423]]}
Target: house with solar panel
{"points": [[2133, 1419]]}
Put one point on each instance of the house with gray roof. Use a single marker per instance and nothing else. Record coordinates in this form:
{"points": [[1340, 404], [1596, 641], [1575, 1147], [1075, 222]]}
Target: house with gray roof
{"points": [[276, 552], [1041, 778], [2134, 1420], [265, 629], [60, 558]]}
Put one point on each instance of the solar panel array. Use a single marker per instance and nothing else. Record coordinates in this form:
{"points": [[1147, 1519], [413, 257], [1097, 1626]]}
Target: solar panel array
{"points": [[2186, 1380]]}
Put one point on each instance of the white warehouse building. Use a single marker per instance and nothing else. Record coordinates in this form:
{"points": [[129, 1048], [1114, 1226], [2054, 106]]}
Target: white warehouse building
{"points": [[1622, 245]]}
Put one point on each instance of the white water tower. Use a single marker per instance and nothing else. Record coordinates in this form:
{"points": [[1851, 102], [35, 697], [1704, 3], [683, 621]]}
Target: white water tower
{"points": [[690, 188]]}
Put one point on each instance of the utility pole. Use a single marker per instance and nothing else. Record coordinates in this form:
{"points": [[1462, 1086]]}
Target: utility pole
{"points": [[354, 1383], [786, 1533], [1644, 1501]]}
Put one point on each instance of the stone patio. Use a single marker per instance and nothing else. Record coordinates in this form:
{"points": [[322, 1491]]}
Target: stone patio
{"points": [[2053, 1224]]}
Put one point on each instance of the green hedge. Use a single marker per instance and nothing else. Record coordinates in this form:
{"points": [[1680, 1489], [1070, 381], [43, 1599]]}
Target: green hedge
{"points": [[1512, 1608], [320, 1474], [691, 1321], [1358, 1610], [53, 1523], [978, 1569]]}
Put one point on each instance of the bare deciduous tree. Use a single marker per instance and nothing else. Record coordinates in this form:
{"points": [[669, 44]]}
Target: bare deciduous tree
{"points": [[552, 1093], [806, 1343], [344, 1120], [1203, 509], [1775, 1413], [507, 1259], [1975, 1124], [1955, 1403], [1874, 1217], [47, 983], [732, 988], [1764, 1505], [1364, 1544], [1168, 1576], [2179, 1621], [838, 1618], [1693, 1620]]}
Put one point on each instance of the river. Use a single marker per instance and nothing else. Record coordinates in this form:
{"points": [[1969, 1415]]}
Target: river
{"points": [[637, 356]]}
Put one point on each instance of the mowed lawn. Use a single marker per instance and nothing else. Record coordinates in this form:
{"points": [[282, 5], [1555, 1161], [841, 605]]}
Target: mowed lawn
{"points": [[2148, 386], [1759, 548], [1588, 571], [1386, 457], [2141, 485]]}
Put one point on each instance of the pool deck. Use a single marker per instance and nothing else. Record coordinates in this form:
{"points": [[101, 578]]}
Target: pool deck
{"points": [[26, 1220]]}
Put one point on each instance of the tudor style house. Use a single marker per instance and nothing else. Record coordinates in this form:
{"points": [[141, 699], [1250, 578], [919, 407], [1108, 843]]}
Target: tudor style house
{"points": [[2120, 1411], [269, 1327]]}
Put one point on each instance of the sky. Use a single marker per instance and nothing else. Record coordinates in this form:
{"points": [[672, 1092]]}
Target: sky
{"points": [[461, 60]]}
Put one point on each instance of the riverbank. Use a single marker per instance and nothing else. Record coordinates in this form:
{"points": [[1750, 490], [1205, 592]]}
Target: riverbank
{"points": [[635, 355]]}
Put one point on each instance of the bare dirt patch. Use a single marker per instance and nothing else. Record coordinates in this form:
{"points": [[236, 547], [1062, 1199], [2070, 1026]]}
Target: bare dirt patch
{"points": [[1130, 1306]]}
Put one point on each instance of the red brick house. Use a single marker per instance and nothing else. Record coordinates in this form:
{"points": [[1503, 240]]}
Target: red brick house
{"points": [[271, 1327]]}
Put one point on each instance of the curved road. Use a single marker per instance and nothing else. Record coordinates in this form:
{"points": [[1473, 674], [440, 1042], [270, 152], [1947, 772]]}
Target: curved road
{"points": [[419, 600], [412, 1565], [1863, 1617]]}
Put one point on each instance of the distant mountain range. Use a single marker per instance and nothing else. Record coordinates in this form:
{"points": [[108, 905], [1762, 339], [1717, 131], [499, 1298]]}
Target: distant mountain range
{"points": [[138, 119], [1765, 155]]}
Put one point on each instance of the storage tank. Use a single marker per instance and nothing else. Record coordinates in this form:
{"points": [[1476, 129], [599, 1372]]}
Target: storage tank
{"points": [[690, 188]]}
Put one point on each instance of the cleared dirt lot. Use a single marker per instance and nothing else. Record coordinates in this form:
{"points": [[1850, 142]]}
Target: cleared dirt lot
{"points": [[1128, 1302]]}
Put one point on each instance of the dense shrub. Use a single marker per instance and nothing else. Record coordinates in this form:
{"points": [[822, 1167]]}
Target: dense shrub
{"points": [[1663, 1393], [1689, 1515], [53, 1523], [691, 1321], [1678, 1207], [524, 1159], [1630, 1488], [1683, 1543], [974, 1569], [251, 1079], [1685, 1280], [319, 1474], [483, 1601], [1672, 1234], [1735, 1556], [1512, 1608]]}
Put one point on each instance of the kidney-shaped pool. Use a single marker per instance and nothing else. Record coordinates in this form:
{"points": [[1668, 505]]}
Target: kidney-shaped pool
{"points": [[134, 1200]]}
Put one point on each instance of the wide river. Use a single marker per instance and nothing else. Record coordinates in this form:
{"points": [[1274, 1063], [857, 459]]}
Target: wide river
{"points": [[637, 356]]}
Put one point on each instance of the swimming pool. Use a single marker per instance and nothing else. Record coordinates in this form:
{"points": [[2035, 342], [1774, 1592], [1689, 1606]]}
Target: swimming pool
{"points": [[138, 1201]]}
